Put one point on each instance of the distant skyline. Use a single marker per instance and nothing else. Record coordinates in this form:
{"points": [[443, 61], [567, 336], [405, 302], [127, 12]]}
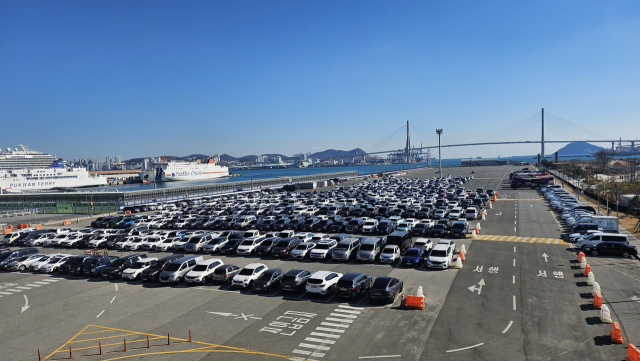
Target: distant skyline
{"points": [[144, 78]]}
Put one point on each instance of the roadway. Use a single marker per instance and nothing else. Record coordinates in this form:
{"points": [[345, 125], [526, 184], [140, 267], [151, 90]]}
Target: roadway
{"points": [[508, 302]]}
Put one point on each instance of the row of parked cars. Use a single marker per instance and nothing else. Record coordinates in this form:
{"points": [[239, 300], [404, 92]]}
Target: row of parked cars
{"points": [[194, 269], [592, 233]]}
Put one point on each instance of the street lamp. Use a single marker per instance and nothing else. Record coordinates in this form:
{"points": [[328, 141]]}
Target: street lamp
{"points": [[607, 191], [439, 131]]}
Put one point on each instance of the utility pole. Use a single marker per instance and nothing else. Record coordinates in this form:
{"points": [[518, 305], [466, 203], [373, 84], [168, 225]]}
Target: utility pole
{"points": [[408, 143], [542, 151], [439, 131]]}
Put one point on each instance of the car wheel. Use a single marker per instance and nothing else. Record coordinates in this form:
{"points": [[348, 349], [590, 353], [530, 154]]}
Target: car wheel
{"points": [[625, 255], [22, 268], [594, 253]]}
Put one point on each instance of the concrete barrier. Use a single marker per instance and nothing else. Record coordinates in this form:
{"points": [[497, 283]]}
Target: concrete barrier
{"points": [[596, 288], [605, 314], [583, 263], [591, 279]]}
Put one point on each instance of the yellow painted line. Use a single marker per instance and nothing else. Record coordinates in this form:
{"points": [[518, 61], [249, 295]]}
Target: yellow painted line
{"points": [[102, 338], [510, 239], [198, 351], [524, 239], [549, 241], [119, 343], [66, 343], [89, 333]]}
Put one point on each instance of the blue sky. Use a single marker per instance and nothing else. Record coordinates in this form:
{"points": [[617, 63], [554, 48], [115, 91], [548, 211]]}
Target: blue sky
{"points": [[145, 78]]}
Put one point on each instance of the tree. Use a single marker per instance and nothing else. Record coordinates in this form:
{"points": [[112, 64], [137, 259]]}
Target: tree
{"points": [[602, 160]]}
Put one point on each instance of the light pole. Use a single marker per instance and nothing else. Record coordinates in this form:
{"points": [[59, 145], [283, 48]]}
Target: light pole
{"points": [[439, 131], [251, 172], [617, 215], [607, 191]]}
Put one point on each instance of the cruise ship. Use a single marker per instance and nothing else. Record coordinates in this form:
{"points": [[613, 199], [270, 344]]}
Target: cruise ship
{"points": [[56, 176], [22, 157], [184, 171]]}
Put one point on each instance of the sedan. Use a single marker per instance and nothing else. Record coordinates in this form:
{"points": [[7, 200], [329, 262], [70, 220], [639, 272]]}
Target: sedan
{"points": [[412, 257], [611, 249]]}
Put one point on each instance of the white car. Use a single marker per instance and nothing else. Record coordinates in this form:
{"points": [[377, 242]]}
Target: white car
{"points": [[323, 249], [54, 263], [304, 236], [23, 262], [35, 265], [471, 214], [134, 244], [441, 256], [214, 245], [135, 271], [455, 213], [180, 242], [150, 243], [390, 254], [302, 250], [56, 241], [397, 220], [123, 244], [39, 240], [248, 274], [95, 242], [167, 244], [323, 282], [370, 226], [248, 246], [71, 240], [424, 244], [203, 271]]}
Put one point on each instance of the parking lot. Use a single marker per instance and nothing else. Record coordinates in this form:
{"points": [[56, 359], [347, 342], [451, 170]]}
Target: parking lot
{"points": [[519, 295]]}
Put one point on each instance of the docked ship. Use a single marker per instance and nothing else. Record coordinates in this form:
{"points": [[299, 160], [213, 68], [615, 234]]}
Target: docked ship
{"points": [[22, 157], [184, 171], [57, 176]]}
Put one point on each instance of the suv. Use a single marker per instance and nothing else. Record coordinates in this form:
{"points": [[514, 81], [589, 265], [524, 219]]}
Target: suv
{"points": [[248, 275], [323, 249], [295, 280], [203, 271], [459, 229], [441, 256], [346, 250], [136, 269], [175, 271], [269, 279], [323, 282], [153, 272], [197, 243], [369, 250], [248, 245], [302, 250], [119, 265], [284, 247], [352, 284], [225, 273]]}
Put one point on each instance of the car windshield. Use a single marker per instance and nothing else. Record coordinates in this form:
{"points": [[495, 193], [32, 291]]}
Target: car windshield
{"points": [[438, 253], [138, 265], [421, 225], [439, 226], [458, 226], [155, 265], [301, 247], [388, 250], [91, 262], [412, 253], [283, 244], [200, 268], [172, 267], [380, 283], [355, 222], [323, 246], [366, 247], [246, 272], [247, 243]]}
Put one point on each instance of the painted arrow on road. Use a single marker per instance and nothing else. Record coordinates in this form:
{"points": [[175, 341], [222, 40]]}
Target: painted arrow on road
{"points": [[226, 314], [241, 315], [545, 257], [479, 289], [26, 304]]}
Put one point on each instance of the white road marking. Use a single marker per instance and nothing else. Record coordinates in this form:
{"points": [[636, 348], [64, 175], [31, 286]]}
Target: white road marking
{"points": [[113, 299], [329, 329], [13, 290], [26, 304], [545, 257], [41, 283], [302, 352], [50, 280], [100, 314], [514, 262], [514, 280], [514, 249], [338, 320], [23, 287], [466, 348], [508, 327], [514, 302], [334, 324], [347, 311], [342, 315], [313, 339], [325, 334], [314, 347], [351, 307], [116, 286], [32, 285], [6, 293], [385, 356], [515, 229]]}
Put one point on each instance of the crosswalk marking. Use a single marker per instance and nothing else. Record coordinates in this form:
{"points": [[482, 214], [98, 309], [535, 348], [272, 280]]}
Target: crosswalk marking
{"points": [[329, 329], [26, 286], [334, 324], [23, 287], [321, 334], [342, 315], [6, 293], [13, 290], [517, 239], [313, 339], [348, 311], [41, 283], [314, 347], [32, 285], [351, 307], [338, 319]]}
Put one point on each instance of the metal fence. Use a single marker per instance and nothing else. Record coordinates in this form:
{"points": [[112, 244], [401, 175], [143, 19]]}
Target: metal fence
{"points": [[104, 202]]}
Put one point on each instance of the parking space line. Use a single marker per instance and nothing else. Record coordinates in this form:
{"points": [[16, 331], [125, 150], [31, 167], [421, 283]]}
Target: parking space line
{"points": [[466, 348], [508, 327], [41, 283], [13, 290], [32, 285], [6, 293], [322, 334], [23, 287], [514, 302]]}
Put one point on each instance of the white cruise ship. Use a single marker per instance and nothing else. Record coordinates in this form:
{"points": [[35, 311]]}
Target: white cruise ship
{"points": [[56, 176], [22, 157], [184, 171]]}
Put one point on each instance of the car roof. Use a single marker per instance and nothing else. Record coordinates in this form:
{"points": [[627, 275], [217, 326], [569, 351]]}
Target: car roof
{"points": [[295, 272], [441, 247], [321, 274], [255, 265], [210, 261], [272, 270], [350, 276]]}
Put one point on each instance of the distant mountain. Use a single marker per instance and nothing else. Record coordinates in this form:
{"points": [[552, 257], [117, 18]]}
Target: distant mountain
{"points": [[332, 153], [578, 148]]}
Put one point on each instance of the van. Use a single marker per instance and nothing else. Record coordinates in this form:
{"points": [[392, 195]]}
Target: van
{"points": [[597, 238], [175, 271], [400, 239], [369, 250], [197, 243], [346, 250]]}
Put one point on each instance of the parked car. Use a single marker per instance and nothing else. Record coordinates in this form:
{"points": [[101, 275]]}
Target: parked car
{"points": [[136, 269], [385, 289], [115, 269], [323, 282], [353, 284], [247, 276], [441, 256], [268, 280], [611, 249], [412, 257], [346, 250], [295, 280], [152, 273], [225, 273], [176, 270], [203, 271]]}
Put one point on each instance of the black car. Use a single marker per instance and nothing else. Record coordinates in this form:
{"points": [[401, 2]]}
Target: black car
{"points": [[459, 229], [354, 225], [285, 246], [353, 284], [438, 230], [280, 224], [74, 265], [231, 246], [420, 229], [385, 289], [119, 265], [337, 227], [295, 280], [294, 224], [268, 280], [153, 272], [309, 224], [323, 225], [267, 245], [611, 249]]}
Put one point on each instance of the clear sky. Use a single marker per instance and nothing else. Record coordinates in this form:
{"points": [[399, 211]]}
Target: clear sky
{"points": [[146, 78]]}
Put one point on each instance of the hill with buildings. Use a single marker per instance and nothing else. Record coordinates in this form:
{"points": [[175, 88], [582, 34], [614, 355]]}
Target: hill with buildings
{"points": [[578, 148]]}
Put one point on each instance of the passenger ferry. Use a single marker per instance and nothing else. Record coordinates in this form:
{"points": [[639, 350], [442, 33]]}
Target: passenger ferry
{"points": [[184, 171], [22, 157], [56, 176]]}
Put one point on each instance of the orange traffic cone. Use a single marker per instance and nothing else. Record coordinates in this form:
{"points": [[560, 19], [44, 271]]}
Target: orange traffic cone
{"points": [[633, 354], [587, 269], [580, 256], [494, 198], [462, 255], [597, 301], [616, 336]]}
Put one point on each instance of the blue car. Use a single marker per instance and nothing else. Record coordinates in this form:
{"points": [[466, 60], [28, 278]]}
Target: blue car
{"points": [[412, 257]]}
